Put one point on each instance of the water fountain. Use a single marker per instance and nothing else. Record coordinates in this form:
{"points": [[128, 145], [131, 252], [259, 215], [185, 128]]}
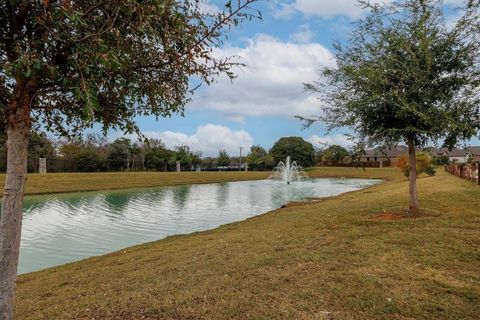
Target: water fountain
{"points": [[288, 171]]}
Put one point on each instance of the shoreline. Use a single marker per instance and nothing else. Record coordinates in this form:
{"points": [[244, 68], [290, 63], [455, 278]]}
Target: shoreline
{"points": [[58, 183], [288, 203]]}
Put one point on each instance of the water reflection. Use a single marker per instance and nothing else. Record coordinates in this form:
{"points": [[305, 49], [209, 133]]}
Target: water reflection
{"points": [[63, 228], [222, 191], [180, 196]]}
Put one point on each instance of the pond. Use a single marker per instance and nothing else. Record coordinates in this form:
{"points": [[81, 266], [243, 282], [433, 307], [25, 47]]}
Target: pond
{"points": [[63, 228]]}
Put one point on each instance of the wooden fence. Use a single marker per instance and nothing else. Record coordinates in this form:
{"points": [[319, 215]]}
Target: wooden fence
{"points": [[467, 171]]}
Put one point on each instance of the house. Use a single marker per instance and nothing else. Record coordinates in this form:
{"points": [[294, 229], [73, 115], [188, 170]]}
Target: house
{"points": [[475, 153], [461, 155], [392, 154], [384, 154], [458, 155]]}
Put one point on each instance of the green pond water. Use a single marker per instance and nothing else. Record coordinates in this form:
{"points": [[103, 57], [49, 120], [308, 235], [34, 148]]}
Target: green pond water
{"points": [[67, 227]]}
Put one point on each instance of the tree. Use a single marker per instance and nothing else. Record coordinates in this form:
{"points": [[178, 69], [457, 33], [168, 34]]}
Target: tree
{"points": [[406, 76], [223, 159], [88, 160], [269, 162], [137, 156], [256, 158], [69, 64], [334, 153], [184, 155], [298, 149], [209, 163], [68, 149], [118, 156], [196, 158], [157, 158], [39, 146]]}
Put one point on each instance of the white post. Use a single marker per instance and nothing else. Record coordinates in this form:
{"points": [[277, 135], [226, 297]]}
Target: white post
{"points": [[42, 165]]}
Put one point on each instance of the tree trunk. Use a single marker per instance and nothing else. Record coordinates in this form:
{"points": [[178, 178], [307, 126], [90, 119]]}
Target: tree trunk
{"points": [[412, 174], [18, 130]]}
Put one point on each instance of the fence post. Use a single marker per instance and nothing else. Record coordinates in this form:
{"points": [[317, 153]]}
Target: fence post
{"points": [[42, 165], [478, 172]]}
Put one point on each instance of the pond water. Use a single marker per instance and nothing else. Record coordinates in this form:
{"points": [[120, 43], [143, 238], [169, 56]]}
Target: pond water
{"points": [[66, 227]]}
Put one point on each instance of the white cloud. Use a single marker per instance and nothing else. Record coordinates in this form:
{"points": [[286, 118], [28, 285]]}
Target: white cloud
{"points": [[208, 139], [457, 10], [272, 85], [206, 6], [303, 35], [235, 118], [456, 3], [323, 8], [327, 9], [339, 139]]}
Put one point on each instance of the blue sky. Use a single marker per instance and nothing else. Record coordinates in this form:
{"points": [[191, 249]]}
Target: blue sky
{"points": [[286, 48]]}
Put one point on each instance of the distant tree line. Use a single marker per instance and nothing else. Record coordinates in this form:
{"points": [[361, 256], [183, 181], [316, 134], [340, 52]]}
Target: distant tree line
{"points": [[94, 153]]}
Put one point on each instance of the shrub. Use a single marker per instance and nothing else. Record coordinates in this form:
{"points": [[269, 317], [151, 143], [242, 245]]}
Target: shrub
{"points": [[430, 170], [441, 160], [424, 164]]}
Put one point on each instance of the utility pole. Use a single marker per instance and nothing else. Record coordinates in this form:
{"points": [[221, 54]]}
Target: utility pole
{"points": [[241, 148]]}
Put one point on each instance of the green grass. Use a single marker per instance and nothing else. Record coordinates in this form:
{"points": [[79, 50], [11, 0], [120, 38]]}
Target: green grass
{"points": [[328, 259]]}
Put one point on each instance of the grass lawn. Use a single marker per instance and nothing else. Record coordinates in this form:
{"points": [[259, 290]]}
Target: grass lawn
{"points": [[72, 182], [329, 259]]}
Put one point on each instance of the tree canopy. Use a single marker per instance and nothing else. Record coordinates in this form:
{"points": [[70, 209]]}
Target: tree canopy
{"points": [[257, 158], [223, 159], [297, 148], [334, 153], [406, 76], [109, 61], [119, 154]]}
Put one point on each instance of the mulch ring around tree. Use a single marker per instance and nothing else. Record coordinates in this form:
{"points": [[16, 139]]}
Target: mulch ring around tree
{"points": [[402, 214]]}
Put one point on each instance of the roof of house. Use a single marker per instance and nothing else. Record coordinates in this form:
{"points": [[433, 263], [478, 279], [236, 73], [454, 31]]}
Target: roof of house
{"points": [[475, 150], [452, 153], [386, 152], [457, 153], [401, 150]]}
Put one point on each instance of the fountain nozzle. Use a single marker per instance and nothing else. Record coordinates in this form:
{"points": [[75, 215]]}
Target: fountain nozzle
{"points": [[288, 171]]}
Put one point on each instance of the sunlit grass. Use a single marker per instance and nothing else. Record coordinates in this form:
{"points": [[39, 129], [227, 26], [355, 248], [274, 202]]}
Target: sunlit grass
{"points": [[329, 259], [71, 182]]}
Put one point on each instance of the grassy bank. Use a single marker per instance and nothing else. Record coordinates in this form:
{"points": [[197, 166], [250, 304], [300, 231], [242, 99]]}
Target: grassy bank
{"points": [[74, 182], [331, 259]]}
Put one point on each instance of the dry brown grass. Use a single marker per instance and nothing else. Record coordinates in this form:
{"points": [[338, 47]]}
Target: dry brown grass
{"points": [[324, 260], [74, 182]]}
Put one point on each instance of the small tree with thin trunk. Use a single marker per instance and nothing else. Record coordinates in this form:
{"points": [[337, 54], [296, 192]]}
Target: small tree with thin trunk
{"points": [[223, 159], [406, 76], [67, 64]]}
